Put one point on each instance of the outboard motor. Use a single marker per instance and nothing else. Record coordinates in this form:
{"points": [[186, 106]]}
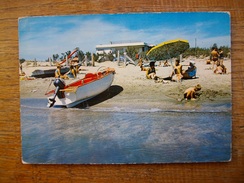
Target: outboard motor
{"points": [[59, 84]]}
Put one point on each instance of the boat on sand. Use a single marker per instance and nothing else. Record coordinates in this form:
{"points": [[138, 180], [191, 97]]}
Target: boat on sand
{"points": [[81, 90], [48, 73]]}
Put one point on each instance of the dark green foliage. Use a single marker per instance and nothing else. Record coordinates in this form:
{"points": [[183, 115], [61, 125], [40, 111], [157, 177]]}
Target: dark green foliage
{"points": [[205, 52], [95, 56], [132, 51], [55, 57], [88, 54], [21, 61]]}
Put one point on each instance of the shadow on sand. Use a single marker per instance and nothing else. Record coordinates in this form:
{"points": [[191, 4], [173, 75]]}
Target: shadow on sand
{"points": [[109, 93]]}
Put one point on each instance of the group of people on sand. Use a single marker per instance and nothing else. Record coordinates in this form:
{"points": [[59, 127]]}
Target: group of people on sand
{"points": [[217, 58], [178, 73], [72, 73]]}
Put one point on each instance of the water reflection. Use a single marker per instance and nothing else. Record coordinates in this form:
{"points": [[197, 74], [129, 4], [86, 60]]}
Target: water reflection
{"points": [[75, 136]]}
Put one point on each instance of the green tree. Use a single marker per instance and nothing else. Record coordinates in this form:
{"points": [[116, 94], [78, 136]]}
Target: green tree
{"points": [[109, 56], [95, 56], [215, 46], [68, 53], [80, 55], [132, 51], [21, 61], [55, 57], [88, 54]]}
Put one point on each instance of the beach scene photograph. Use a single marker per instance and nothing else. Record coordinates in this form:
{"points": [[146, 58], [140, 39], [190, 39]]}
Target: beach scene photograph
{"points": [[133, 88]]}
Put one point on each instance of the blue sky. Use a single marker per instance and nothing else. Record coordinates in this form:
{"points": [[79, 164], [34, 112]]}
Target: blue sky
{"points": [[41, 37]]}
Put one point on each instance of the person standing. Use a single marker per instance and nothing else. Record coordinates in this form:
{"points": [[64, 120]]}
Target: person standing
{"points": [[214, 56], [221, 56]]}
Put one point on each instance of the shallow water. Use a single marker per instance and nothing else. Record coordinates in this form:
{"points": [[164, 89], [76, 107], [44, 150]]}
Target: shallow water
{"points": [[124, 135]]}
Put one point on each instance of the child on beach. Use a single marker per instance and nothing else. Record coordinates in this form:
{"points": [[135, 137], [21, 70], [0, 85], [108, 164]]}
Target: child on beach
{"points": [[190, 93]]}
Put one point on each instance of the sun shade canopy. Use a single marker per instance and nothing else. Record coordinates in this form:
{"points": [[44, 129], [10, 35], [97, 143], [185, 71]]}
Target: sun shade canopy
{"points": [[168, 49]]}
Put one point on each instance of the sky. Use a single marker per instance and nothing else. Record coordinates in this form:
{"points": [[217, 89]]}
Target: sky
{"points": [[41, 37]]}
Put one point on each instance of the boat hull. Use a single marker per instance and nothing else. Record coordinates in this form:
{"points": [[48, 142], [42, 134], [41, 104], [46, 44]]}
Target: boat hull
{"points": [[85, 92], [48, 73]]}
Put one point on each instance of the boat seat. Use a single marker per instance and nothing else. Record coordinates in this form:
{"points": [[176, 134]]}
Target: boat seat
{"points": [[90, 75], [70, 89]]}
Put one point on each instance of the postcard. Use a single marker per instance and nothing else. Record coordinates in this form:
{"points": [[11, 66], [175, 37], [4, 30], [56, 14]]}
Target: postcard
{"points": [[132, 88]]}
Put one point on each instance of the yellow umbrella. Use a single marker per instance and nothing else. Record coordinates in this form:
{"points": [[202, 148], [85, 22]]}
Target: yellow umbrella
{"points": [[168, 49]]}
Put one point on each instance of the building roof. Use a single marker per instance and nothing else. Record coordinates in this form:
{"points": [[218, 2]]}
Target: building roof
{"points": [[115, 45]]}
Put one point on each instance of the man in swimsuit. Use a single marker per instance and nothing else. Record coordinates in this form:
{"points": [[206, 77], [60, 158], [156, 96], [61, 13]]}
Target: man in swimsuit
{"points": [[58, 73], [214, 56]]}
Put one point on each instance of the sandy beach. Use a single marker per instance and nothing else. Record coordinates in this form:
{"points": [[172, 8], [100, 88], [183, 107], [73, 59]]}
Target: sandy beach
{"points": [[131, 88]]}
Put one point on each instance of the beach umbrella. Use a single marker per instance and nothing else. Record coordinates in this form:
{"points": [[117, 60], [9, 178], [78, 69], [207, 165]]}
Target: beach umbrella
{"points": [[168, 49]]}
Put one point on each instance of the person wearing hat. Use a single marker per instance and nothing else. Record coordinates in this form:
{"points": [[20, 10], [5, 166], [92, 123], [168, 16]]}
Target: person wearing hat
{"points": [[190, 93], [191, 71], [151, 72]]}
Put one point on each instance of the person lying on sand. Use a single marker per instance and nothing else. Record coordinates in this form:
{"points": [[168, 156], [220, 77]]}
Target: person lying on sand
{"points": [[160, 80], [190, 93], [23, 76]]}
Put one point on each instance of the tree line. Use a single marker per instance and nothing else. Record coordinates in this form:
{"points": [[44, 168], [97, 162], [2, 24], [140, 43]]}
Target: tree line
{"points": [[133, 53], [205, 52]]}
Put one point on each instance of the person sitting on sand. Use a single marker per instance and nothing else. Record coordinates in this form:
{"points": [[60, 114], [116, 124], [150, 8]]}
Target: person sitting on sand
{"points": [[58, 73], [208, 61], [190, 93], [177, 70], [151, 71], [140, 62], [220, 69], [191, 71], [166, 63]]}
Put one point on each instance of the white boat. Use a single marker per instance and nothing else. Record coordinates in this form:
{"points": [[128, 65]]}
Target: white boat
{"points": [[81, 90]]}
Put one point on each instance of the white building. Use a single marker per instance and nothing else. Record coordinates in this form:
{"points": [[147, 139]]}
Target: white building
{"points": [[121, 47]]}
